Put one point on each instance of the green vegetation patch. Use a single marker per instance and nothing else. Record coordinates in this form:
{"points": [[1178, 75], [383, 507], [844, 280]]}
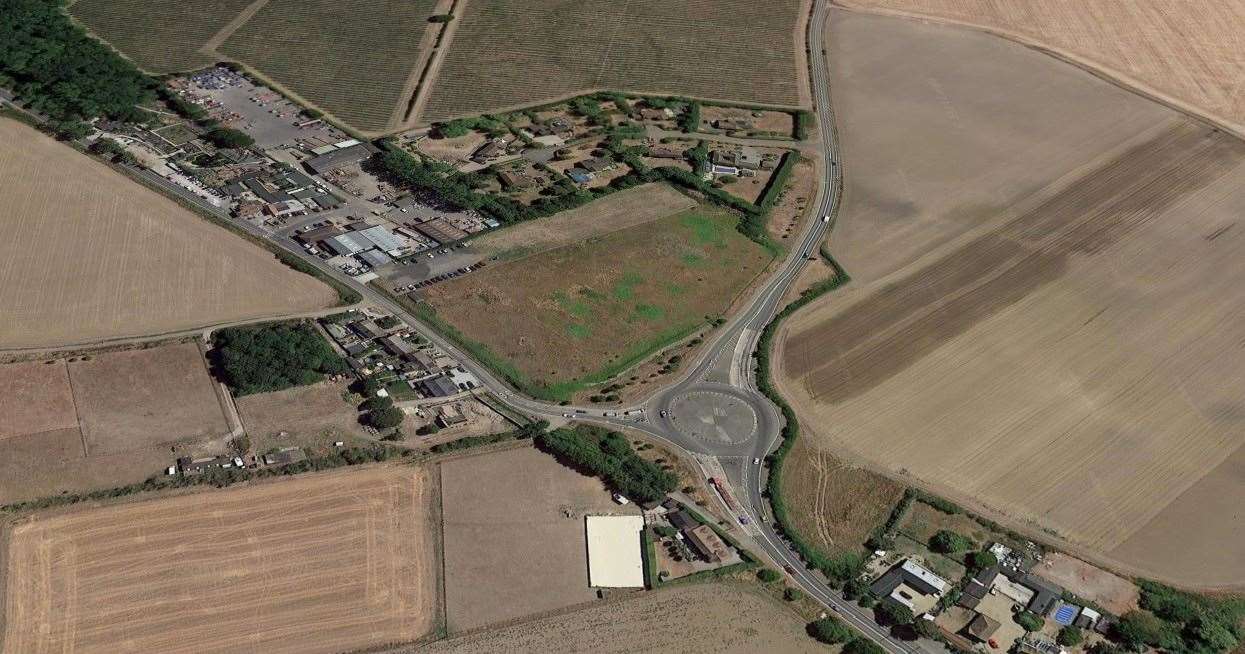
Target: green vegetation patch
{"points": [[580, 314], [273, 357], [607, 454]]}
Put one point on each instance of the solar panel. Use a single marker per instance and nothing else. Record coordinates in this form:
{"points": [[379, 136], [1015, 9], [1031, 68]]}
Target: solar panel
{"points": [[1066, 613]]}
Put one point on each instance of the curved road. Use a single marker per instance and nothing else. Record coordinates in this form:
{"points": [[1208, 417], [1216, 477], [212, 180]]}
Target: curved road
{"points": [[713, 410]]}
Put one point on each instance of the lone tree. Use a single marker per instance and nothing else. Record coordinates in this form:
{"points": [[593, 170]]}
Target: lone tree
{"points": [[384, 418], [893, 613], [227, 138], [981, 560], [768, 575], [947, 542], [1069, 636]]}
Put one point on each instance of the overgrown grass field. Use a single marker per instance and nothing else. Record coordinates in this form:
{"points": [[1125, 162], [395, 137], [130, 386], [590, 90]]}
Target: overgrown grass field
{"points": [[577, 315]]}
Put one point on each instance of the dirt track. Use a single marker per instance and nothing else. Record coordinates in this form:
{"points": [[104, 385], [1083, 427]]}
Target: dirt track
{"points": [[324, 563], [1071, 358]]}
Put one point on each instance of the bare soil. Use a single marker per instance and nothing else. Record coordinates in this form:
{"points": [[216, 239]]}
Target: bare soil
{"points": [[139, 398], [1112, 592], [35, 397], [317, 414], [90, 255], [1190, 54], [510, 549], [1064, 354], [323, 563], [730, 618]]}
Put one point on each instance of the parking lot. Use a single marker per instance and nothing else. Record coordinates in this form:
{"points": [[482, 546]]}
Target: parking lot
{"points": [[263, 113]]}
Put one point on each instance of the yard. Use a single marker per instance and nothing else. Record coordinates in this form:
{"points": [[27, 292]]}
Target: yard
{"points": [[579, 314]]}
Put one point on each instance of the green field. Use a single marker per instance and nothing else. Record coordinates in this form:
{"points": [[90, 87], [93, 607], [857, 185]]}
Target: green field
{"points": [[161, 36], [351, 59], [577, 315]]}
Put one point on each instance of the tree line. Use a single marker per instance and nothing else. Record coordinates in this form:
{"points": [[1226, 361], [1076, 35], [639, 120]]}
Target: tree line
{"points": [[608, 455]]}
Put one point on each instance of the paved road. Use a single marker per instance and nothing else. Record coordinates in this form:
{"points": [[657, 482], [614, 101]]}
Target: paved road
{"points": [[713, 409]]}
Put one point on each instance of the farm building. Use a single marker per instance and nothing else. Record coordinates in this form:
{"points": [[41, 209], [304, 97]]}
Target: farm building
{"points": [[982, 627], [374, 258], [614, 559], [340, 158], [285, 456], [745, 158], [318, 234], [439, 386], [708, 544], [511, 179], [597, 164], [450, 415], [440, 231], [489, 151]]}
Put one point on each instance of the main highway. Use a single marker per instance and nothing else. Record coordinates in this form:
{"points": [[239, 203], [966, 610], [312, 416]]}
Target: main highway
{"points": [[713, 409]]}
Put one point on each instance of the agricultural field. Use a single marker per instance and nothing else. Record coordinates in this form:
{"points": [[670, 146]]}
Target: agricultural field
{"points": [[1188, 53], [90, 255], [835, 506], [321, 412], [1053, 341], [103, 420], [511, 550], [578, 314], [730, 618], [161, 36], [732, 50], [354, 60], [323, 563]]}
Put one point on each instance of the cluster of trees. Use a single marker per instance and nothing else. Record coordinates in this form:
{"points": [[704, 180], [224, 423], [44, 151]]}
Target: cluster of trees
{"points": [[949, 542], [461, 126], [60, 71], [1176, 621], [272, 357], [380, 413], [608, 455], [229, 138], [832, 632], [111, 150]]}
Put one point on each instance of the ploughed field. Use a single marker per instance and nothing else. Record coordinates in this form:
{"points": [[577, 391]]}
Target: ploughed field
{"points": [[1058, 342], [90, 255], [323, 563], [507, 53], [578, 314], [1188, 52]]}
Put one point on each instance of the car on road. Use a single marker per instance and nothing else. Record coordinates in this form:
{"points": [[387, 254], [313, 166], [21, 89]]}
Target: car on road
{"points": [[663, 413], [743, 520], [790, 570], [756, 461], [610, 414], [825, 219], [567, 415]]}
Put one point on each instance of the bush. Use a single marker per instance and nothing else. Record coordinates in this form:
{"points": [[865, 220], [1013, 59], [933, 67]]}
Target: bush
{"points": [[792, 594], [948, 542], [440, 18], [228, 138], [862, 645], [428, 429], [830, 631], [768, 575], [1029, 621], [384, 418], [1069, 636], [272, 357], [1138, 628], [377, 403], [981, 560]]}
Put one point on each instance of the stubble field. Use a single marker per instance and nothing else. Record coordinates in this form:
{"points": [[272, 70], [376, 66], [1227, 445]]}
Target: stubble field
{"points": [[1065, 354], [577, 314], [352, 59], [324, 563], [161, 36], [518, 52], [1189, 52], [510, 551], [89, 255], [720, 617]]}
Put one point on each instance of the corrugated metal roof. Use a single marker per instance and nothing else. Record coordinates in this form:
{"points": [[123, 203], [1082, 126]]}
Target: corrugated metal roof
{"points": [[381, 237]]}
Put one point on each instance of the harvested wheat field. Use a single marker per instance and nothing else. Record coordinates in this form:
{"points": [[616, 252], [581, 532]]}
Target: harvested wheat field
{"points": [[90, 255], [1189, 53], [355, 59], [35, 397], [510, 550], [324, 563], [736, 50], [160, 36], [728, 618], [634, 206], [1068, 354]]}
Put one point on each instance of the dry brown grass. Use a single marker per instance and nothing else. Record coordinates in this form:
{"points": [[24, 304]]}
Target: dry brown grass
{"points": [[729, 618], [518, 52], [89, 255], [509, 549], [1067, 357], [1188, 52], [324, 563], [133, 399], [1112, 592], [316, 413], [629, 208], [35, 397], [835, 505]]}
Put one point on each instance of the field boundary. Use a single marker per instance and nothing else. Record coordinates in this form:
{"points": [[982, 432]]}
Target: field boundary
{"points": [[1101, 71]]}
